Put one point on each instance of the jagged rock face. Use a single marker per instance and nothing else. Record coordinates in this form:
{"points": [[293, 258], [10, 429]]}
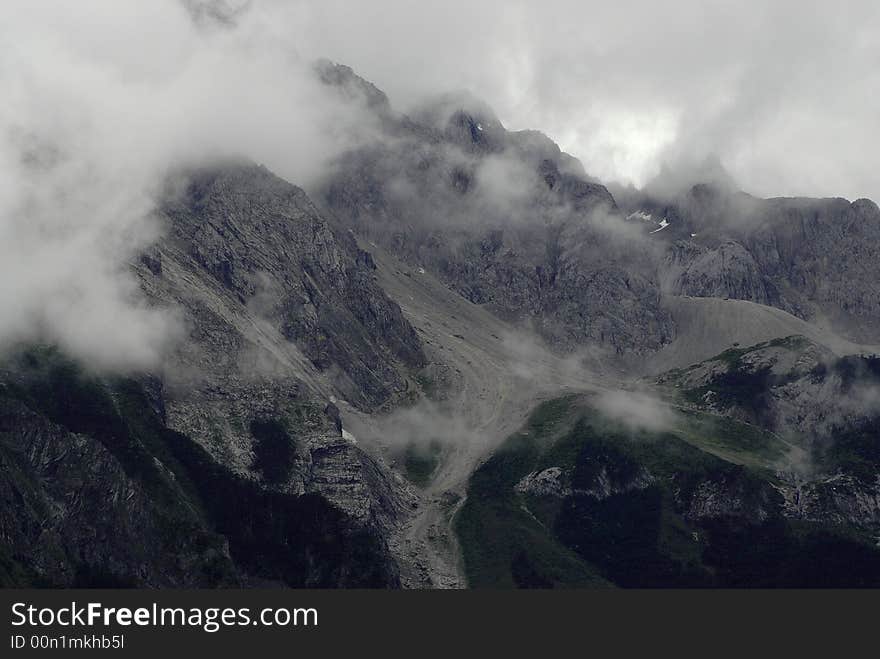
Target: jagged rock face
{"points": [[730, 497], [98, 490], [838, 499], [725, 494], [828, 408], [549, 482], [279, 314], [728, 271], [824, 251], [505, 219], [240, 234], [606, 481], [811, 257], [71, 515]]}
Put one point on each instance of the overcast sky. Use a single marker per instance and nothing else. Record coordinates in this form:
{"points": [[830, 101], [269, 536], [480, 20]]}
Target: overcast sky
{"points": [[787, 94]]}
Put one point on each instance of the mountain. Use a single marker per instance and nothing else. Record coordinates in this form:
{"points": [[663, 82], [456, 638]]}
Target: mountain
{"points": [[759, 466], [582, 497], [810, 257], [282, 315], [457, 359], [99, 490], [505, 219]]}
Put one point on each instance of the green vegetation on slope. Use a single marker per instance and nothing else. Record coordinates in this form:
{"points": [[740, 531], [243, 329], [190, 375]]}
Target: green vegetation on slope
{"points": [[503, 543], [296, 540], [731, 440], [646, 509], [845, 442]]}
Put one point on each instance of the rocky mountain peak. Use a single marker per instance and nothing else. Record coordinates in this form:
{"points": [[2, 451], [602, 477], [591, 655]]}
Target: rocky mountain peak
{"points": [[352, 86], [260, 244]]}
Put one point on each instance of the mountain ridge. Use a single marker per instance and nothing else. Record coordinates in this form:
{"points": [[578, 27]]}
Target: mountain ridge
{"points": [[438, 284]]}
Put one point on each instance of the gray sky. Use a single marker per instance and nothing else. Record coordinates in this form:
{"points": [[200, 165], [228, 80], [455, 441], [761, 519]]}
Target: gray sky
{"points": [[786, 93]]}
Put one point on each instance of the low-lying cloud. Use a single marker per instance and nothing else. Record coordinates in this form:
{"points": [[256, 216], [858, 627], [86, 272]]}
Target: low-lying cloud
{"points": [[785, 93], [635, 410], [101, 100]]}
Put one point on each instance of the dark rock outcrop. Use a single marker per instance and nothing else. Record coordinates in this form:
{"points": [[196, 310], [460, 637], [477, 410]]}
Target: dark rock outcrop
{"points": [[238, 232], [227, 466], [98, 491]]}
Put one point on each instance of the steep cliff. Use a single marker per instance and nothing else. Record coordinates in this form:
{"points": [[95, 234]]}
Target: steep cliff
{"points": [[98, 491], [811, 257], [505, 219]]}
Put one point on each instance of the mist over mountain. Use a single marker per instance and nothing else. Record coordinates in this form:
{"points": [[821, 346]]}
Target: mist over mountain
{"points": [[269, 323]]}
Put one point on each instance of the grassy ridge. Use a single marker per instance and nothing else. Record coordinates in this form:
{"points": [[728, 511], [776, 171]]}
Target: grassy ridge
{"points": [[643, 531], [503, 543]]}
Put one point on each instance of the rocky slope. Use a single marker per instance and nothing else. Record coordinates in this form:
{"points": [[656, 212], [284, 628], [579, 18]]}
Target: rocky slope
{"points": [[451, 276], [97, 490], [582, 496], [827, 407], [285, 317], [810, 257], [504, 218], [280, 316]]}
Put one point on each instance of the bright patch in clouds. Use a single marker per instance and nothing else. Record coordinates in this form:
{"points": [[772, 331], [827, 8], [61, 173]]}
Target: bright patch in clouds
{"points": [[620, 145]]}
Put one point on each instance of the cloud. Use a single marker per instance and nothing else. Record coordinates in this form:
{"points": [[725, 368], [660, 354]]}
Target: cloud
{"points": [[785, 93], [102, 98], [635, 410], [418, 427], [101, 101]]}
